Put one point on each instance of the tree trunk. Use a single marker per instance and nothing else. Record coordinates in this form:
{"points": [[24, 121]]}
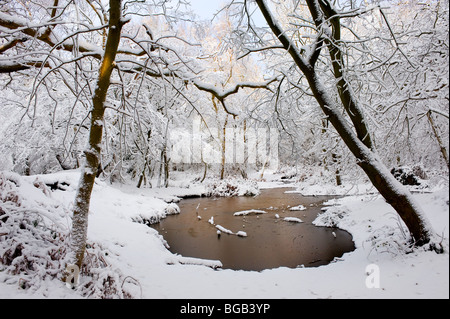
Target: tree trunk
{"points": [[360, 143], [204, 171], [321, 12], [166, 169], [393, 192], [438, 139], [93, 149], [223, 149], [143, 178]]}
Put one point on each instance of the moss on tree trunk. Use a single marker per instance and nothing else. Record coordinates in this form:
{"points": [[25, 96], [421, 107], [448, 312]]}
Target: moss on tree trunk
{"points": [[93, 149]]}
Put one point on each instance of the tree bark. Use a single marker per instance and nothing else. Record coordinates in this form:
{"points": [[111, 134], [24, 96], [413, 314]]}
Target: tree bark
{"points": [[393, 192], [360, 143], [93, 149], [322, 11], [438, 139], [223, 149]]}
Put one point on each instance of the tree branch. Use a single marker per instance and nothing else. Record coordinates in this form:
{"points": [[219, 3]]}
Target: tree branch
{"points": [[249, 50], [11, 44], [221, 95], [282, 37], [10, 67], [323, 12]]}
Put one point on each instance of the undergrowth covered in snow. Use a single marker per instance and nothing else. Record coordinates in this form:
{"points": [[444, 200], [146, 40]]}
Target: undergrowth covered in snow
{"points": [[126, 259], [232, 187], [35, 222], [35, 242], [383, 230]]}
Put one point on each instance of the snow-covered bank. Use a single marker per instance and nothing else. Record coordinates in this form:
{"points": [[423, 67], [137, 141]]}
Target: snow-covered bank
{"points": [[125, 250]]}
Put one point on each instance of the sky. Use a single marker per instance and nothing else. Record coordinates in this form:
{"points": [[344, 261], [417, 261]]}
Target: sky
{"points": [[205, 8]]}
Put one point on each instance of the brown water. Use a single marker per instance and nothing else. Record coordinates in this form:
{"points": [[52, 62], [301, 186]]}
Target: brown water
{"points": [[271, 242]]}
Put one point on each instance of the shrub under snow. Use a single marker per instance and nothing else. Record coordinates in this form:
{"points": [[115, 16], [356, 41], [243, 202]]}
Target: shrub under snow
{"points": [[232, 187], [35, 242]]}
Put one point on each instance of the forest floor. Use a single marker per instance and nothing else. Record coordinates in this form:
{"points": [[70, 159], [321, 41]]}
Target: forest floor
{"points": [[129, 259]]}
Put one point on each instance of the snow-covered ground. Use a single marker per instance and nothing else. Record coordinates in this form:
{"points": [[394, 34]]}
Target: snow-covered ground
{"points": [[124, 252]]}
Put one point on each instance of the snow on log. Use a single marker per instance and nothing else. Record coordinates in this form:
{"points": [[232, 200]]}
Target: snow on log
{"points": [[299, 207], [224, 230], [293, 219], [214, 264], [248, 212]]}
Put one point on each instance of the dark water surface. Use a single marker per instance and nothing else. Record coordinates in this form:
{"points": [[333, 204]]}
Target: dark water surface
{"points": [[271, 242]]}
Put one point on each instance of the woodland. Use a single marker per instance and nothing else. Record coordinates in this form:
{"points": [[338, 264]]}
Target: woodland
{"points": [[144, 92]]}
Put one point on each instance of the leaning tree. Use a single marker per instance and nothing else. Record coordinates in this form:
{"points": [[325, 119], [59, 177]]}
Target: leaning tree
{"points": [[314, 31]]}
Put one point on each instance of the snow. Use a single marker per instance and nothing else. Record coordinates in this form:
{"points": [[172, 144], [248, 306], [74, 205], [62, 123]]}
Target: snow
{"points": [[293, 219], [221, 229], [232, 187], [123, 248], [214, 264], [250, 212], [241, 233], [299, 207], [224, 230]]}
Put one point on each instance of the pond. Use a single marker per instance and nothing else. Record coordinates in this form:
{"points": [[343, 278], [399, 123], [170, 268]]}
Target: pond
{"points": [[271, 230]]}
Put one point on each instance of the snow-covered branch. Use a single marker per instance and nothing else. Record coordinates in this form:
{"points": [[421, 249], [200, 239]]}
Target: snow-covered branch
{"points": [[222, 94], [261, 49], [13, 66]]}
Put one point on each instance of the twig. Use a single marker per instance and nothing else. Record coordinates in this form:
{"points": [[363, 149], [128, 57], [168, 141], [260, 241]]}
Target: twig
{"points": [[135, 281], [395, 39]]}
